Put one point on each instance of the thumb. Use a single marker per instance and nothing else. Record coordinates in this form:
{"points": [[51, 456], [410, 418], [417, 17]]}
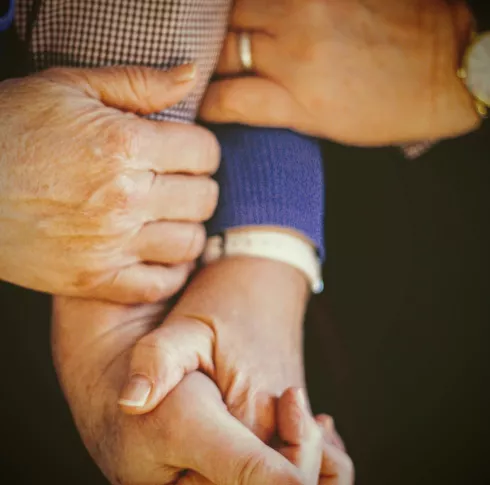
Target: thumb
{"points": [[220, 449], [161, 359], [140, 90]]}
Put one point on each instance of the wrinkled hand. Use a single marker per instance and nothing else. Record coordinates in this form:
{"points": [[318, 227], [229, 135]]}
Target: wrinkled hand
{"points": [[307, 443], [312, 445], [94, 199], [190, 430], [359, 72], [240, 322]]}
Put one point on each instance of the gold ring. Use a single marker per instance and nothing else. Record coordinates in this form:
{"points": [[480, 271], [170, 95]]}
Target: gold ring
{"points": [[245, 51]]}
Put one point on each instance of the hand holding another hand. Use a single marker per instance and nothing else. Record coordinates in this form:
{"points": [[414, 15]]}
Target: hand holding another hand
{"points": [[96, 201], [371, 72], [248, 338], [190, 438]]}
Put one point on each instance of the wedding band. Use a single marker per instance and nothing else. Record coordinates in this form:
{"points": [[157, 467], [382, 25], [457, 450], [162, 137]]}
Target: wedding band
{"points": [[245, 50]]}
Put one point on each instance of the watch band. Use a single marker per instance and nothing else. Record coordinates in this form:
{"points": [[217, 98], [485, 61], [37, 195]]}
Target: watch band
{"points": [[277, 246]]}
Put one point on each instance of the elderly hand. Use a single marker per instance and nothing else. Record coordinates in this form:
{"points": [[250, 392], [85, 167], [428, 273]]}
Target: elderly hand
{"points": [[312, 444], [307, 443], [246, 337], [96, 201], [191, 430], [359, 72]]}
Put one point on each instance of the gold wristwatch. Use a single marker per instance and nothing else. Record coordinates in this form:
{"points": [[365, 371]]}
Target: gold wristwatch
{"points": [[475, 71]]}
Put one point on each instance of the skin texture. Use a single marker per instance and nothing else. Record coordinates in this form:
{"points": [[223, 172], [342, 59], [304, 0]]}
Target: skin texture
{"points": [[91, 345], [96, 201], [312, 444], [92, 342], [74, 222], [361, 72], [306, 442], [246, 337]]}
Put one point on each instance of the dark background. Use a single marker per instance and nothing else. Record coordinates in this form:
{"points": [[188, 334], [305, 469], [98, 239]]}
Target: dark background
{"points": [[396, 347], [405, 322]]}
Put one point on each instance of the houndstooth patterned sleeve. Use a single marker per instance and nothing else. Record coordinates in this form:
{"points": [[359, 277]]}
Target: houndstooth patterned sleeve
{"points": [[154, 33]]}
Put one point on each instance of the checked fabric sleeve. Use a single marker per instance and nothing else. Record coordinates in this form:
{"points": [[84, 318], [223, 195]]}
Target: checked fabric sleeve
{"points": [[267, 177]]}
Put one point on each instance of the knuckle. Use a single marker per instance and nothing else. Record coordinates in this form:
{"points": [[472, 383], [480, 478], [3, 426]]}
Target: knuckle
{"points": [[139, 82], [120, 139], [195, 244], [153, 352], [212, 152], [151, 342], [316, 433], [229, 100], [146, 347], [122, 193], [204, 147], [253, 469], [210, 201], [87, 280], [249, 469], [154, 292]]}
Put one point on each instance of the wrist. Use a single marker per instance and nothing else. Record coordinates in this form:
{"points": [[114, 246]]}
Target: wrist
{"points": [[455, 106], [260, 280], [261, 273]]}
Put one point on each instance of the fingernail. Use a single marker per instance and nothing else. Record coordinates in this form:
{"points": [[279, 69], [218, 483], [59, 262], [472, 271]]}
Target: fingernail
{"points": [[330, 425], [136, 392], [185, 73], [301, 396]]}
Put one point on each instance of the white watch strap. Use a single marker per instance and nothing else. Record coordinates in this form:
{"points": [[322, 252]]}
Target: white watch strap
{"points": [[277, 246]]}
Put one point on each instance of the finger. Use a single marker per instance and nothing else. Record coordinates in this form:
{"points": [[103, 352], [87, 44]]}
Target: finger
{"points": [[137, 89], [337, 465], [258, 414], [265, 55], [292, 422], [261, 15], [217, 446], [299, 431], [166, 147], [250, 101], [170, 242], [182, 198], [335, 462], [330, 434], [161, 359], [142, 283]]}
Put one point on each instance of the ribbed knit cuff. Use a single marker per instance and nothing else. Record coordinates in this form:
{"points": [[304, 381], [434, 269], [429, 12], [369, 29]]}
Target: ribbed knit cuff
{"points": [[269, 177]]}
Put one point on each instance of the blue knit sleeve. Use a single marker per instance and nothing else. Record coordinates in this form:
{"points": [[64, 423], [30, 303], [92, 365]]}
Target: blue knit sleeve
{"points": [[270, 177], [6, 14]]}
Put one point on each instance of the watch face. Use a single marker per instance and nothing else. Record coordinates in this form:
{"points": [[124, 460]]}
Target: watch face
{"points": [[478, 68]]}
